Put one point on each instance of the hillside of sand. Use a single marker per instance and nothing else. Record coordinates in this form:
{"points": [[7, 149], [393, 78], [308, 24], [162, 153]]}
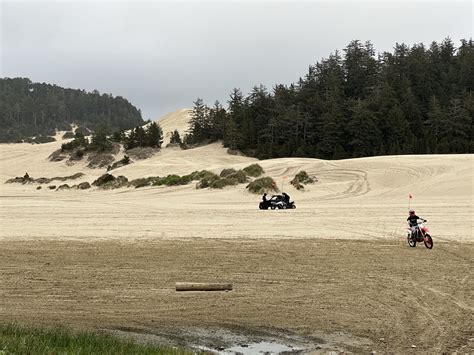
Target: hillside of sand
{"points": [[364, 198], [334, 274]]}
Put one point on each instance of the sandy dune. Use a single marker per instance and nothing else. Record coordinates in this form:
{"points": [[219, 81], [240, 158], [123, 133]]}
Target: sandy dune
{"points": [[174, 120], [337, 268], [363, 198]]}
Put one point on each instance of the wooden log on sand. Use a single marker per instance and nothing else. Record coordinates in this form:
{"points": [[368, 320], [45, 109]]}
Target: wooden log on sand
{"points": [[203, 286]]}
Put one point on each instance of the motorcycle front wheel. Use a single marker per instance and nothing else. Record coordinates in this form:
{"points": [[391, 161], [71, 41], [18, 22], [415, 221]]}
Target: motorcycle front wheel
{"points": [[411, 241], [428, 241]]}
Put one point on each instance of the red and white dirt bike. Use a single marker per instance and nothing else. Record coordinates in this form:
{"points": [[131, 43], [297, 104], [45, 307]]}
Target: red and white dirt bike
{"points": [[420, 234]]}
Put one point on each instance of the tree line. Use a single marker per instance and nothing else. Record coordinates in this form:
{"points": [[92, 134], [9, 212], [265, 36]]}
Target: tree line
{"points": [[31, 109], [414, 100], [141, 136]]}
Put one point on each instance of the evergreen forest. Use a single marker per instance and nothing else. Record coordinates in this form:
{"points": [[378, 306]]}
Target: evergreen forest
{"points": [[414, 100], [37, 109]]}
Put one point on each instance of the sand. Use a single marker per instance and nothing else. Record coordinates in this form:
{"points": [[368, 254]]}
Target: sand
{"points": [[337, 264]]}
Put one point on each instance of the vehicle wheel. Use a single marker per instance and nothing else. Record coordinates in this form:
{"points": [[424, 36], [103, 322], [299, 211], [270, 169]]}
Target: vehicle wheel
{"points": [[261, 206], [428, 241], [294, 206], [280, 207], [272, 207], [411, 242]]}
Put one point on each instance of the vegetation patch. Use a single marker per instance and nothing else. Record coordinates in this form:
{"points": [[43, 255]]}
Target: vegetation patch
{"points": [[100, 150], [198, 175], [171, 180], [207, 180], [254, 170], [227, 172], [24, 340], [40, 139], [261, 185], [240, 176], [83, 130], [235, 152], [150, 136], [142, 182], [26, 179], [57, 155], [68, 135], [108, 182], [140, 153], [100, 160], [83, 186], [118, 164], [221, 183], [63, 187], [301, 179]]}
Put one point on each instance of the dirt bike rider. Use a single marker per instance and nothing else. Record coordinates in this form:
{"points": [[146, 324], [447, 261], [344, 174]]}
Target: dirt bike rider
{"points": [[264, 198], [413, 221], [286, 198]]}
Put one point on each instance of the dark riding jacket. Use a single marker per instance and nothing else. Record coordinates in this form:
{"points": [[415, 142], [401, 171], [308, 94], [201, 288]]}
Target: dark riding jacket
{"points": [[412, 220]]}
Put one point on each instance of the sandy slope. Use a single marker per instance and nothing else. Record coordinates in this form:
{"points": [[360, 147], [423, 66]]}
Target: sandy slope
{"points": [[363, 198], [174, 120], [336, 268]]}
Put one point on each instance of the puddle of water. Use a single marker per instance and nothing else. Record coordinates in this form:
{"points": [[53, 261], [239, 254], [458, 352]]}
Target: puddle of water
{"points": [[257, 349]]}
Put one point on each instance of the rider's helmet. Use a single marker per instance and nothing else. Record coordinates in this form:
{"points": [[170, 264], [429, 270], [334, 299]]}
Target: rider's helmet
{"points": [[411, 212]]}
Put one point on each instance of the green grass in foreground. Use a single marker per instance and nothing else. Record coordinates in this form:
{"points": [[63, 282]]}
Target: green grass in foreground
{"points": [[24, 340]]}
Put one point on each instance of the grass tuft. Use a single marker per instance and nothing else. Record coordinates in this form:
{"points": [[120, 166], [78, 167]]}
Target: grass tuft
{"points": [[29, 340]]}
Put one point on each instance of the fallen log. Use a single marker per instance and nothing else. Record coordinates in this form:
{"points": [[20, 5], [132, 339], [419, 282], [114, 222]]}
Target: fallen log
{"points": [[203, 286]]}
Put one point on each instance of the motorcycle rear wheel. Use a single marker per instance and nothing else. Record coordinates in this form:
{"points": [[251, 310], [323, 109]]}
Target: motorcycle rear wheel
{"points": [[428, 241]]}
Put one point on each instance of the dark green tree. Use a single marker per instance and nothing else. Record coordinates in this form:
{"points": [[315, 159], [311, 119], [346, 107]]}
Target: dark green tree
{"points": [[175, 137], [154, 135], [100, 142]]}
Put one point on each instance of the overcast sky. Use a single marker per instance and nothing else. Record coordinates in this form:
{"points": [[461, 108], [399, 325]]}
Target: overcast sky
{"points": [[163, 55]]}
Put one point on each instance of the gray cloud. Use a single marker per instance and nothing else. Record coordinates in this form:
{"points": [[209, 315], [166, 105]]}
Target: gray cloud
{"points": [[162, 55]]}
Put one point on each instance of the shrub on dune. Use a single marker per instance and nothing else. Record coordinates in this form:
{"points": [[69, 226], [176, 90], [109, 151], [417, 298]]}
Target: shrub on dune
{"points": [[226, 172], [261, 185], [108, 181], [240, 176], [170, 180], [198, 175], [142, 182], [221, 183], [254, 170], [301, 179], [207, 180]]}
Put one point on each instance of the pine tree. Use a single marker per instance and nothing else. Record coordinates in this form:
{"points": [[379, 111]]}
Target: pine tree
{"points": [[199, 128], [154, 135], [100, 142], [175, 137]]}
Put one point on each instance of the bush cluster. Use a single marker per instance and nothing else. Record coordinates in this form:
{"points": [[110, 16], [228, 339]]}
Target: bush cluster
{"points": [[254, 170], [261, 185], [301, 179]]}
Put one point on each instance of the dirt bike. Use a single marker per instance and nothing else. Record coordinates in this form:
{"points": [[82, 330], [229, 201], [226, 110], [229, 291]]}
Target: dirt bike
{"points": [[420, 234]]}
